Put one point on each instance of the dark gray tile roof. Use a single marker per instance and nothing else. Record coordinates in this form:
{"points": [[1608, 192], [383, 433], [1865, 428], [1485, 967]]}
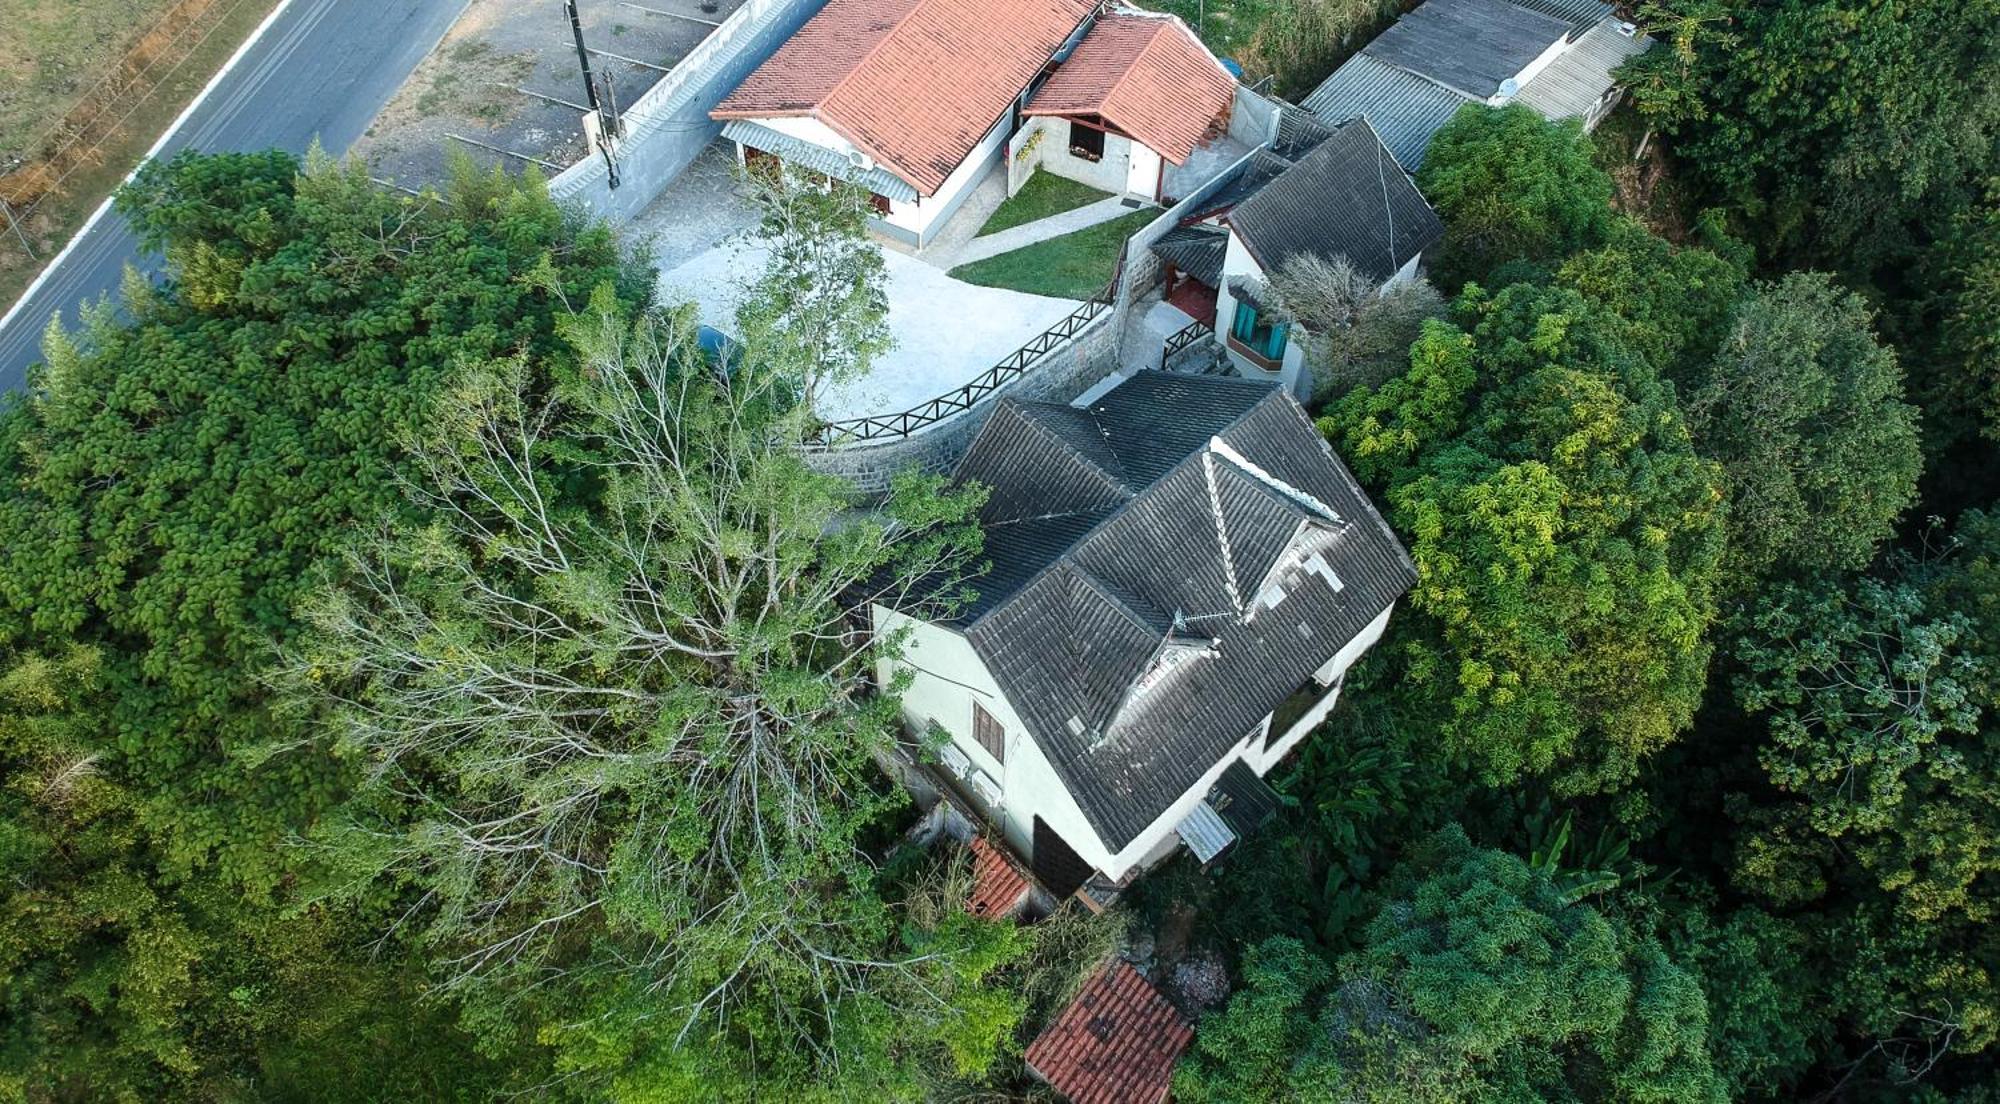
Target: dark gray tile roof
{"points": [[1131, 640], [1299, 133], [1404, 108], [1197, 250], [1347, 198], [1469, 46]]}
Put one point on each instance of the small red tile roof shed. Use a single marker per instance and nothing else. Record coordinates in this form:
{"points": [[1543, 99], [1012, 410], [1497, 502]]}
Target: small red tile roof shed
{"points": [[998, 885], [1148, 76], [1116, 1043], [913, 83]]}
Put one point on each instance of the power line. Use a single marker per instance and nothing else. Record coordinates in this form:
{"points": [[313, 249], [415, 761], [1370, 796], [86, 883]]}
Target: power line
{"points": [[137, 104]]}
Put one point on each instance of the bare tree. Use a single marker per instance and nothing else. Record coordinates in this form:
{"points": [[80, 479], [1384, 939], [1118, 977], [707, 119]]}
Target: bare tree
{"points": [[610, 703], [1357, 333]]}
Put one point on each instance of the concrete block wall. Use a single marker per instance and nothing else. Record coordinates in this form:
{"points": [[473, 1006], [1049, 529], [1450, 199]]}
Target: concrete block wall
{"points": [[1060, 376], [1253, 118], [666, 128]]}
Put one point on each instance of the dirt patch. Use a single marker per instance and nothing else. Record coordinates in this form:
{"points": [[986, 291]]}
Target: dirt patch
{"points": [[1642, 175], [506, 78], [52, 52], [45, 142]]}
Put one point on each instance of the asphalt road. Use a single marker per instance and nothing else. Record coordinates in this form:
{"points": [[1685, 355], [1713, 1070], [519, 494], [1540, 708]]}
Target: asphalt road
{"points": [[323, 68]]}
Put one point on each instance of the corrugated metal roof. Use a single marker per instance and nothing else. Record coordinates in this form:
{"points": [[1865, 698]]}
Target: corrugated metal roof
{"points": [[1205, 833], [1469, 46], [1404, 108], [818, 158], [1245, 801], [1581, 15], [1576, 81]]}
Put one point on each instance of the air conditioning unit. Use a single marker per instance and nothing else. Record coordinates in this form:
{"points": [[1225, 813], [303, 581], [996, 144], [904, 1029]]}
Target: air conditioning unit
{"points": [[954, 760], [860, 160], [984, 788]]}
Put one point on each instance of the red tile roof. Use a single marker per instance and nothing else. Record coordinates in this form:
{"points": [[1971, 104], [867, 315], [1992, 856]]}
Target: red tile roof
{"points": [[998, 885], [913, 83], [1146, 75], [1116, 1043]]}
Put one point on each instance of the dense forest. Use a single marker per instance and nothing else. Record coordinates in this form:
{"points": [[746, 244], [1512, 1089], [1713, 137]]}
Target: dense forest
{"points": [[424, 672]]}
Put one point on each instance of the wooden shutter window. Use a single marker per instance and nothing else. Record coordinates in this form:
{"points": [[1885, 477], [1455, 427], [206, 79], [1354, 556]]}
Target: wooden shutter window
{"points": [[989, 733]]}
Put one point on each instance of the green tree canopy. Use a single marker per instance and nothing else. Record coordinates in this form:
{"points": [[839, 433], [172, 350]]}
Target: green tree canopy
{"points": [[1478, 980], [1829, 124], [174, 482], [1566, 537], [1803, 408], [1512, 186]]}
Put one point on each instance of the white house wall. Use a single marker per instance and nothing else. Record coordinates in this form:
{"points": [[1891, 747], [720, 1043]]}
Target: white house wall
{"points": [[1107, 174], [947, 677], [929, 212], [1237, 261], [912, 220]]}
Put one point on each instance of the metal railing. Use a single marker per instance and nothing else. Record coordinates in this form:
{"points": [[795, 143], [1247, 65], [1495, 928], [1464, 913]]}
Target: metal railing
{"points": [[1182, 338], [876, 427]]}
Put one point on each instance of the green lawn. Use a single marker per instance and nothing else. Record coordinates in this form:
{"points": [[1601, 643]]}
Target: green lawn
{"points": [[1073, 266], [1043, 195]]}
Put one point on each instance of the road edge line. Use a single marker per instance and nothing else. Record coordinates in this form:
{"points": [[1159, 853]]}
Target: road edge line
{"points": [[165, 135]]}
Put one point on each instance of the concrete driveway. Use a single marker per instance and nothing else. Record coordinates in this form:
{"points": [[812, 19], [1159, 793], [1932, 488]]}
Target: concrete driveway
{"points": [[947, 331]]}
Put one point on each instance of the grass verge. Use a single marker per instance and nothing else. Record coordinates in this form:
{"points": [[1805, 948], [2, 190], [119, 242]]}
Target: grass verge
{"points": [[1074, 266], [1043, 195], [61, 214]]}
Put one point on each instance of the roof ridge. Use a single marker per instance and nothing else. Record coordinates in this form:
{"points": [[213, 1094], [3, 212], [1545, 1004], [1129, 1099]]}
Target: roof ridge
{"points": [[1116, 479], [1113, 513]]}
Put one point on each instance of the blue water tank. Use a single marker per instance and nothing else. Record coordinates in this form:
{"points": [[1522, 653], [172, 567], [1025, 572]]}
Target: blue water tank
{"points": [[1235, 67]]}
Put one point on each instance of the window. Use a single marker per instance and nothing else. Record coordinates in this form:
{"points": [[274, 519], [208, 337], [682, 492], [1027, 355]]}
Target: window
{"points": [[1086, 142], [880, 202], [989, 733], [1258, 334]]}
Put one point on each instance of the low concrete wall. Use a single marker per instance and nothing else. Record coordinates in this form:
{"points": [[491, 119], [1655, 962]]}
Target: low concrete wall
{"points": [[1060, 376], [666, 128], [1253, 118]]}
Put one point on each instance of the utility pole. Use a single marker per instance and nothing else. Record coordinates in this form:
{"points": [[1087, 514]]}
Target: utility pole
{"points": [[604, 124]]}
